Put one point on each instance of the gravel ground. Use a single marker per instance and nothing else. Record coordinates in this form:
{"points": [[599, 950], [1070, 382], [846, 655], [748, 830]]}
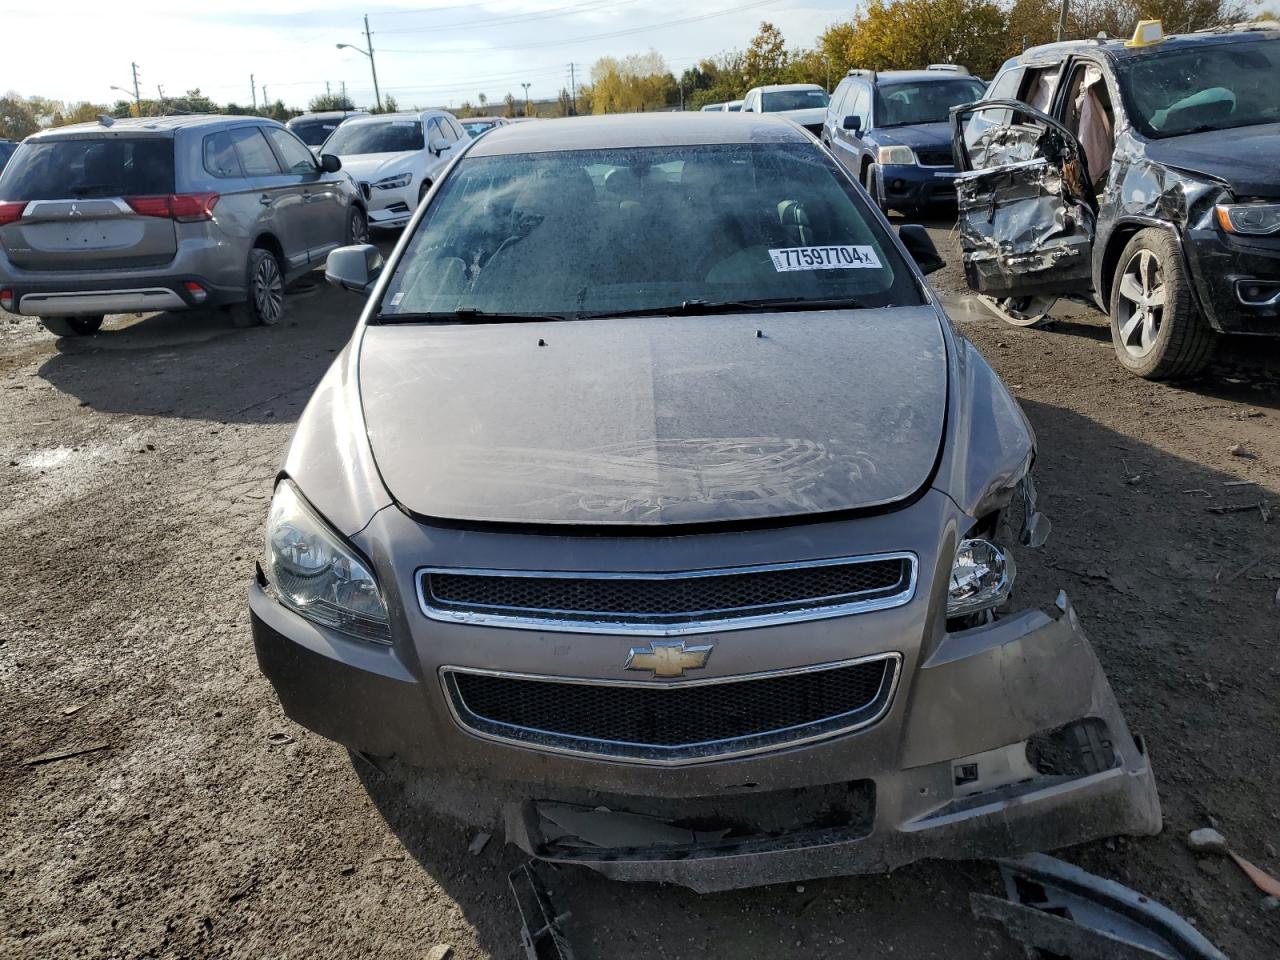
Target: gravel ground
{"points": [[137, 467]]}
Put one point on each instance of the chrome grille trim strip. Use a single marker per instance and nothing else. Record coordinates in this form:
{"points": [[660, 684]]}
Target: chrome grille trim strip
{"points": [[543, 741], [901, 596]]}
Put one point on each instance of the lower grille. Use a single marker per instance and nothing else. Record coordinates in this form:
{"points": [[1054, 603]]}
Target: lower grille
{"points": [[673, 722], [935, 157]]}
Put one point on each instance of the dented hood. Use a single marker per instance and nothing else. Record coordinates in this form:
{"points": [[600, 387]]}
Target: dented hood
{"points": [[1244, 157], [656, 420]]}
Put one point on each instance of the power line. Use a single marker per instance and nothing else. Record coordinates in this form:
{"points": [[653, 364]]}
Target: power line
{"points": [[551, 14]]}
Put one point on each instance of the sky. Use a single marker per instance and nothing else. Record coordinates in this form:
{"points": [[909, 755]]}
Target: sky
{"points": [[428, 52]]}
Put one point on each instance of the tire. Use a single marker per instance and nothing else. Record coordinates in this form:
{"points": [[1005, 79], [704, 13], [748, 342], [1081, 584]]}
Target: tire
{"points": [[72, 326], [1156, 328], [264, 281], [871, 181], [423, 191], [357, 226]]}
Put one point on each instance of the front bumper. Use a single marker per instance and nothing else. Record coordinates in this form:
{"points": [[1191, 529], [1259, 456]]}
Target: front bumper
{"points": [[390, 209], [1223, 266], [912, 187], [944, 775]]}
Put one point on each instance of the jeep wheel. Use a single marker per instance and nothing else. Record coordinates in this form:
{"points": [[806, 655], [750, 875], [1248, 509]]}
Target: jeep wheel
{"points": [[72, 326], [1156, 328], [357, 226], [265, 283]]}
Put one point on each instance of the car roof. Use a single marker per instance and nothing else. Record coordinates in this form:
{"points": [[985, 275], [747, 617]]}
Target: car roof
{"points": [[152, 125], [771, 87], [919, 76], [1116, 49], [401, 115], [328, 115], [621, 130]]}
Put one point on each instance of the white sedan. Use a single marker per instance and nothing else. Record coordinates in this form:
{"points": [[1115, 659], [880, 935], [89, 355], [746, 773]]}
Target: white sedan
{"points": [[396, 157]]}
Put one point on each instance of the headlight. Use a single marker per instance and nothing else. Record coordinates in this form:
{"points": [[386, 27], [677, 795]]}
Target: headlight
{"points": [[902, 156], [318, 576], [1255, 219], [392, 183], [981, 578]]}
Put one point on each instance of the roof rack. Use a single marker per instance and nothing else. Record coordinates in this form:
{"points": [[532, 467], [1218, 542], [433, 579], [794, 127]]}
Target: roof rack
{"points": [[948, 68], [865, 74]]}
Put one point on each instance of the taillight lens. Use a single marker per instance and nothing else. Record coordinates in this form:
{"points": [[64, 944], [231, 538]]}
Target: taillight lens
{"points": [[6, 299], [11, 210], [183, 207]]}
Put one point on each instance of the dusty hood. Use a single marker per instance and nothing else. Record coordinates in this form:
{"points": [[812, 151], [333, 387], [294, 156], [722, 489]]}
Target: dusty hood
{"points": [[656, 420], [372, 167], [1244, 157]]}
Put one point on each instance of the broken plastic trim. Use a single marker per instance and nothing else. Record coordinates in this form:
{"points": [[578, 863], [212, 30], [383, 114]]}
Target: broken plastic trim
{"points": [[540, 930]]}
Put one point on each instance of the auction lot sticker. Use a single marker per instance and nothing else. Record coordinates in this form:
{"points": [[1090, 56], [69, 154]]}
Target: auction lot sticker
{"points": [[824, 258]]}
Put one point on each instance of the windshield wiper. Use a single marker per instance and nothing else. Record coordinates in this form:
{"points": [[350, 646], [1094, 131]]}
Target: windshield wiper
{"points": [[698, 307], [466, 315]]}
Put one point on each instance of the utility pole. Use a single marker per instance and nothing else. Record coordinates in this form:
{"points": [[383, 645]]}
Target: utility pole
{"points": [[368, 39], [682, 93], [573, 91], [1062, 19], [137, 94], [526, 97], [326, 89], [265, 100], [160, 90], [254, 85], [345, 101]]}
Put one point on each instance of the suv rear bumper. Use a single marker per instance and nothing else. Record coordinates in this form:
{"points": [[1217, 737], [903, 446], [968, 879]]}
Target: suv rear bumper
{"points": [[126, 294]]}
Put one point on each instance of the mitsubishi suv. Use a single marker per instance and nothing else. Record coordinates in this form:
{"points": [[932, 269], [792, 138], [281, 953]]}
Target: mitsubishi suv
{"points": [[166, 213]]}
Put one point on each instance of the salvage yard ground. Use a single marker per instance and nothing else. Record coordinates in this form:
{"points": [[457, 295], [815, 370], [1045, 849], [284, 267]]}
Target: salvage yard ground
{"points": [[136, 468]]}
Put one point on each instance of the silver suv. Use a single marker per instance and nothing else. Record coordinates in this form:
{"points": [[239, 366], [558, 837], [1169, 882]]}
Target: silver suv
{"points": [[167, 213]]}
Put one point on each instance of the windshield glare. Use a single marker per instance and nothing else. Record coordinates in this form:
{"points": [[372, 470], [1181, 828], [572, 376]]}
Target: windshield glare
{"points": [[899, 104], [631, 230], [773, 101], [387, 136], [1211, 88]]}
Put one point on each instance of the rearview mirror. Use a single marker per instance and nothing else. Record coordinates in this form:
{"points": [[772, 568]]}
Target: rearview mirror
{"points": [[329, 163], [853, 122], [919, 244], [438, 145], [354, 268]]}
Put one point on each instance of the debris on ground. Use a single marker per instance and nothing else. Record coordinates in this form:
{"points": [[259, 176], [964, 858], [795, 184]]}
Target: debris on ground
{"points": [[68, 711], [279, 739], [441, 951], [55, 755], [541, 932], [1261, 879], [1207, 840], [1068, 912], [1239, 451], [478, 843]]}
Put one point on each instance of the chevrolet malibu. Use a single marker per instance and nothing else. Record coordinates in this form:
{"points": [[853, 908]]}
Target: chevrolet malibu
{"points": [[657, 509]]}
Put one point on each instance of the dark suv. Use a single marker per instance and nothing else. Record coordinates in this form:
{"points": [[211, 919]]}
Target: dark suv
{"points": [[1139, 176], [890, 130]]}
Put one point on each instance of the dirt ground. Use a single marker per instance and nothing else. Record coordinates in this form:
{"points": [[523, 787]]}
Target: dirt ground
{"points": [[136, 468]]}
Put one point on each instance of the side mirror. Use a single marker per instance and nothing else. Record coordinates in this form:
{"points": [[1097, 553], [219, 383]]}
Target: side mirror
{"points": [[918, 243], [853, 123], [354, 268], [329, 163], [438, 145]]}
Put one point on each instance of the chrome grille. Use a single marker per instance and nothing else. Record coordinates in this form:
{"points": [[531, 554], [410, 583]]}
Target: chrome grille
{"points": [[678, 602], [673, 722]]}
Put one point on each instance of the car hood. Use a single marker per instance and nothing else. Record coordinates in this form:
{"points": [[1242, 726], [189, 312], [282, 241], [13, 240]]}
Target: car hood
{"points": [[372, 167], [803, 117], [1243, 158], [657, 420], [916, 135]]}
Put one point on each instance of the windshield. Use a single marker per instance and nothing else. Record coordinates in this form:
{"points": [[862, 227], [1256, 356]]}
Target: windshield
{"points": [[477, 127], [6, 151], [900, 104], [658, 230], [385, 136], [100, 167], [774, 100], [1211, 88], [314, 132]]}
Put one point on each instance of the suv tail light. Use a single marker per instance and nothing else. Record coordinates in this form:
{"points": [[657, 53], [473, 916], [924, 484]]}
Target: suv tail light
{"points": [[11, 211], [6, 300], [183, 207]]}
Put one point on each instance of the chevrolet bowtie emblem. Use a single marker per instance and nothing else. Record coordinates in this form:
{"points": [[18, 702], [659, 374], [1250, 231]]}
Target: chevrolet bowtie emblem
{"points": [[668, 658]]}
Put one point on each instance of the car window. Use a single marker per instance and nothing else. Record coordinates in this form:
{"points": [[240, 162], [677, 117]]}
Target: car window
{"points": [[381, 136], [772, 101], [255, 154], [930, 101], [59, 169], [998, 144], [297, 158], [578, 233], [1039, 85], [1213, 87], [439, 127], [475, 128], [314, 132], [860, 104], [836, 107], [749, 103], [455, 128], [220, 158]]}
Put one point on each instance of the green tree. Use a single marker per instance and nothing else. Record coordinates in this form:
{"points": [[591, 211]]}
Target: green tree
{"points": [[766, 57], [330, 101], [909, 34], [17, 120]]}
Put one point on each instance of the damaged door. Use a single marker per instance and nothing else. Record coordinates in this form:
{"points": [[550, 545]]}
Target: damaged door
{"points": [[1027, 210]]}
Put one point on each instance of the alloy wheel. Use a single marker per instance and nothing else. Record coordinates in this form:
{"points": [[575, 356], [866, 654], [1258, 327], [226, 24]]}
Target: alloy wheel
{"points": [[268, 291], [1141, 303], [359, 226]]}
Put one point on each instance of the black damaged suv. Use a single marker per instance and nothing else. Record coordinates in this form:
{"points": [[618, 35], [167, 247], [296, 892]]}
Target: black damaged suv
{"points": [[1140, 176]]}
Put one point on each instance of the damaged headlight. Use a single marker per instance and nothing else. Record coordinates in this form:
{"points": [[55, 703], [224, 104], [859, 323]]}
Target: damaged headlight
{"points": [[981, 578], [315, 574], [901, 156], [1255, 219]]}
